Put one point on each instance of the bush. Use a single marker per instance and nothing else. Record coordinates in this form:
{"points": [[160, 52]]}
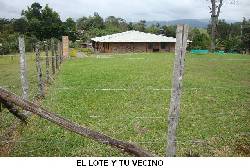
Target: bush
{"points": [[87, 51], [73, 44], [73, 52]]}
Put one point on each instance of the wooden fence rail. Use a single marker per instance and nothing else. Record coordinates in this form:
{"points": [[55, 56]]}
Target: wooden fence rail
{"points": [[14, 111], [71, 126]]}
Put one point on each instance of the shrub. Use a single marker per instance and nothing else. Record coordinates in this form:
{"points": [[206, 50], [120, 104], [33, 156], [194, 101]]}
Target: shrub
{"points": [[73, 52], [87, 51]]}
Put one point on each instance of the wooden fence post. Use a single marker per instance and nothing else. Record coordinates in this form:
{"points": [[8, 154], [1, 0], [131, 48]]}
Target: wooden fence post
{"points": [[57, 56], [39, 72], [53, 57], [23, 70], [47, 61], [59, 52], [174, 110]]}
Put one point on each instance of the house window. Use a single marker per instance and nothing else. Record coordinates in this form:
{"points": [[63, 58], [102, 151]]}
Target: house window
{"points": [[150, 45], [163, 45]]}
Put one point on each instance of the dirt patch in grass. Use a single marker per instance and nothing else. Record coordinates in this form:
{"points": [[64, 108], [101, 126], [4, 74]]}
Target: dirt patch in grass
{"points": [[242, 145]]}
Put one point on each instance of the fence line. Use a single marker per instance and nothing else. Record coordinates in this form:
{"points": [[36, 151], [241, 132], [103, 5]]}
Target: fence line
{"points": [[56, 57], [24, 81]]}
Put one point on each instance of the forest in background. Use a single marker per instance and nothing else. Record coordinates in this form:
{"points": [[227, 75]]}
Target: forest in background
{"points": [[40, 23]]}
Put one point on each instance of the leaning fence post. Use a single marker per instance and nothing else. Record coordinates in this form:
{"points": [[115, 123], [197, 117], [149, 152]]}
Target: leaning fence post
{"points": [[39, 72], [174, 110], [71, 126], [53, 57], [47, 61], [23, 70]]}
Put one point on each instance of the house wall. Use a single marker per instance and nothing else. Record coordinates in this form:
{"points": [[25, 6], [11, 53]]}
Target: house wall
{"points": [[171, 47], [132, 47]]}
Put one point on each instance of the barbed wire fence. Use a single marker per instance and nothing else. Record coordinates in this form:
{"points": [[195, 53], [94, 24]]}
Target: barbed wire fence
{"points": [[28, 75], [52, 66]]}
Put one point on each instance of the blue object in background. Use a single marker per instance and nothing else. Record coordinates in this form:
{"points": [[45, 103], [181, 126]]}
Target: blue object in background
{"points": [[199, 51], [220, 52]]}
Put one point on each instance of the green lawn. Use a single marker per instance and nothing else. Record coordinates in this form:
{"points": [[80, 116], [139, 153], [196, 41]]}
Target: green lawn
{"points": [[10, 79], [127, 97]]}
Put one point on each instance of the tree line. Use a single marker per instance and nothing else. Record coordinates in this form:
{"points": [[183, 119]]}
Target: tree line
{"points": [[40, 23]]}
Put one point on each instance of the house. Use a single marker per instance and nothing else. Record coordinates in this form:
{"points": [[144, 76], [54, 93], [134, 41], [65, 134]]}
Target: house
{"points": [[133, 41]]}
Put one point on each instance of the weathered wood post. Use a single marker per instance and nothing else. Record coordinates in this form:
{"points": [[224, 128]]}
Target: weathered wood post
{"points": [[174, 110], [39, 71], [59, 52], [53, 57], [57, 56], [23, 70], [47, 60]]}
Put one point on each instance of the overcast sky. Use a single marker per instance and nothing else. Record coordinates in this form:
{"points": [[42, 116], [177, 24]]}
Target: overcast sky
{"points": [[131, 10]]}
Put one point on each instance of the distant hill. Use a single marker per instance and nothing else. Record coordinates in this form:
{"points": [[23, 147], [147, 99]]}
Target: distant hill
{"points": [[199, 23]]}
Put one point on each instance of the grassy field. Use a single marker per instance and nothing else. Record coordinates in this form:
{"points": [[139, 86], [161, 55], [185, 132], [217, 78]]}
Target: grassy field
{"points": [[127, 97], [10, 79]]}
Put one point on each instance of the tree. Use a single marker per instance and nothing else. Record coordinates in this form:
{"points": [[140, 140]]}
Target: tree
{"points": [[51, 24], [155, 29], [3, 23], [8, 37], [227, 35], [115, 25], [33, 16], [69, 27], [88, 27], [140, 26], [215, 12], [43, 23], [169, 31], [20, 25], [95, 21], [233, 44], [199, 39], [81, 23], [245, 37], [130, 26], [33, 12]]}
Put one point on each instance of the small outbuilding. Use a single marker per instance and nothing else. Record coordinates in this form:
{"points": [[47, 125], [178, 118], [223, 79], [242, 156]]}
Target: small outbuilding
{"points": [[133, 41]]}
